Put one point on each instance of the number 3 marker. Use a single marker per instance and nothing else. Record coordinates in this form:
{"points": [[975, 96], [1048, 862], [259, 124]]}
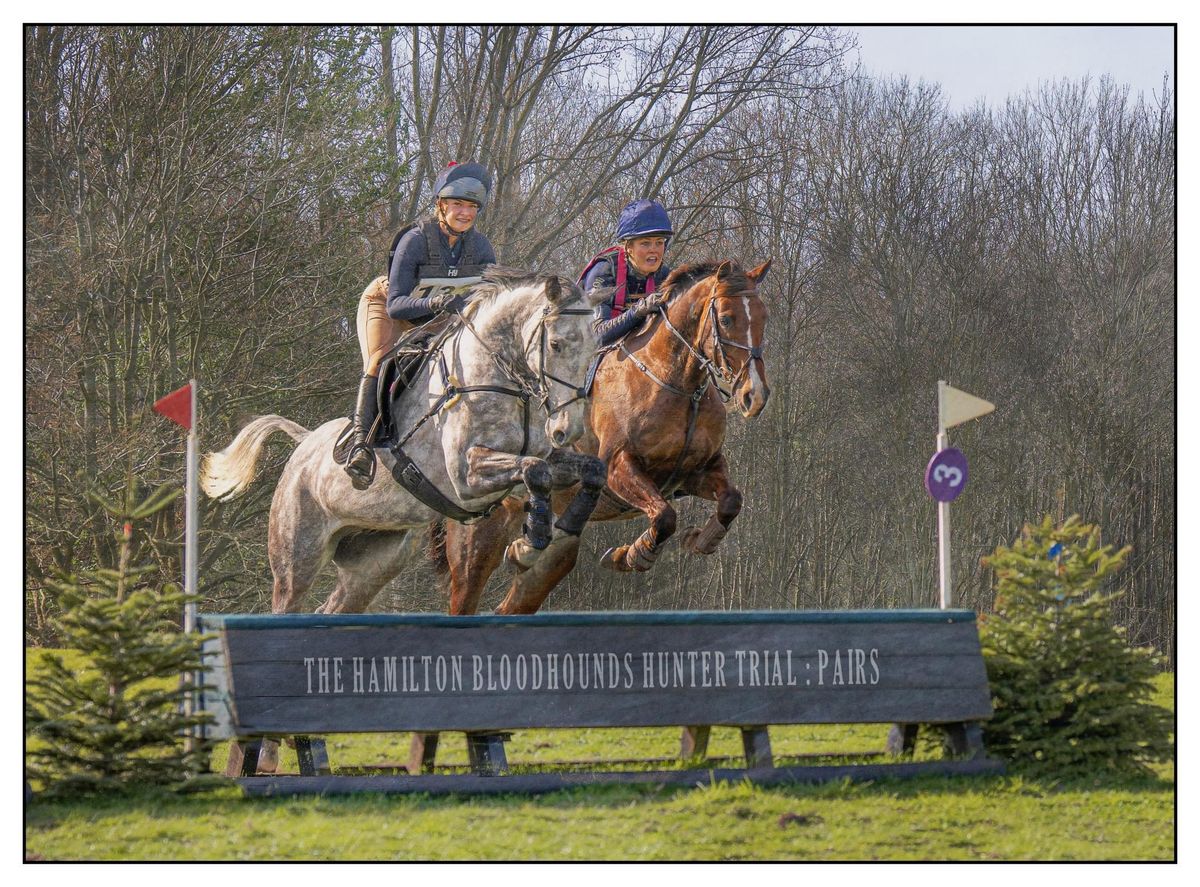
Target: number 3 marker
{"points": [[946, 475]]}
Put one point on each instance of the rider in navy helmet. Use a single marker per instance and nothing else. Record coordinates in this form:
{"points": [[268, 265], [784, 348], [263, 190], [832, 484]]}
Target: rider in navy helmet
{"points": [[634, 266], [433, 263]]}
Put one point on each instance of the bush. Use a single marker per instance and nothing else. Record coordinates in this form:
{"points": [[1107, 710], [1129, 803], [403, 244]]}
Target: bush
{"points": [[118, 722], [1069, 693]]}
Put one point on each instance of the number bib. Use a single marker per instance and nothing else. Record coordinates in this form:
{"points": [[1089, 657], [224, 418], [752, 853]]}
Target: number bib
{"points": [[428, 287]]}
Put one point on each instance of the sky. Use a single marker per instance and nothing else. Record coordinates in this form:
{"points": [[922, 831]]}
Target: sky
{"points": [[993, 62]]}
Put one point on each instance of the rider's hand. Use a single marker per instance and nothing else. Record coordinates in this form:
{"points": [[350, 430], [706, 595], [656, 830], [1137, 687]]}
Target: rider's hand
{"points": [[650, 303], [447, 302]]}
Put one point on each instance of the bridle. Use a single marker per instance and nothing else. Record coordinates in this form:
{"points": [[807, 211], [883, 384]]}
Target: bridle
{"points": [[718, 366], [545, 377], [755, 352]]}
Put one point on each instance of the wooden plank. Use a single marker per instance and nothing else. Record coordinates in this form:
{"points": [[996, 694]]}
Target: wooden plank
{"points": [[909, 639], [217, 621], [266, 715], [485, 751], [268, 755], [243, 757], [551, 782], [215, 698], [312, 756], [453, 673], [963, 740], [424, 678], [902, 739]]}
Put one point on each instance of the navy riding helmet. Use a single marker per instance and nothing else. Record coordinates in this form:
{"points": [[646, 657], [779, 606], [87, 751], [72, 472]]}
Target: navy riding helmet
{"points": [[466, 181], [642, 218]]}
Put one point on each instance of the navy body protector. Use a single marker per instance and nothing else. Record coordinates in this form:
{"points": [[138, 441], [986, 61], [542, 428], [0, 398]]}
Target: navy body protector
{"points": [[436, 263], [620, 297]]}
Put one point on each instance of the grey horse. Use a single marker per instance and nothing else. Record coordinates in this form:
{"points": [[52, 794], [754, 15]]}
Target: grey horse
{"points": [[475, 447]]}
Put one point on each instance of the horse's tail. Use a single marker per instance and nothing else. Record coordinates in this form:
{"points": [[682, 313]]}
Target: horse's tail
{"points": [[227, 474]]}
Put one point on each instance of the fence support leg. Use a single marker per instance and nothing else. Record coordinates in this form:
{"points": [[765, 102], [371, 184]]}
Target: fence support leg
{"points": [[422, 752], [243, 757], [963, 740], [486, 752], [902, 739], [312, 756], [756, 742], [694, 742]]}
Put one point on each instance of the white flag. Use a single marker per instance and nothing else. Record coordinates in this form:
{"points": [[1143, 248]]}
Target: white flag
{"points": [[956, 407]]}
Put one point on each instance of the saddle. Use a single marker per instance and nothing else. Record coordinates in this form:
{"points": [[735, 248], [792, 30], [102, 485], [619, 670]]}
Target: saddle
{"points": [[404, 362]]}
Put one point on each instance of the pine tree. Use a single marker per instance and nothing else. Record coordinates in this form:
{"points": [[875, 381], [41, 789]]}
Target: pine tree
{"points": [[1069, 693], [118, 721]]}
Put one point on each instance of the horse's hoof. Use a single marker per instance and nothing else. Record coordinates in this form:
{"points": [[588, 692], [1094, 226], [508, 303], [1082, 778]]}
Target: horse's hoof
{"points": [[521, 554], [614, 559], [687, 540]]}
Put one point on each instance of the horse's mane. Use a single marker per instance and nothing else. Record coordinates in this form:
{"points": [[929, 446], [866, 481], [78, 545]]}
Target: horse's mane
{"points": [[499, 279], [686, 276]]}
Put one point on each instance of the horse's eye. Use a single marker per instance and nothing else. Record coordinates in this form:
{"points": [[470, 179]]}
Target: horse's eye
{"points": [[727, 321], [556, 346]]}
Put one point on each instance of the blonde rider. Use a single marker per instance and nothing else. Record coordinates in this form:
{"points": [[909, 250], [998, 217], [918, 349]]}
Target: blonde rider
{"points": [[432, 263]]}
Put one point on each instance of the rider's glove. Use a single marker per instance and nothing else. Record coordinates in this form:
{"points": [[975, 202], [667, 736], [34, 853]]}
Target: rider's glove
{"points": [[447, 302], [650, 303]]}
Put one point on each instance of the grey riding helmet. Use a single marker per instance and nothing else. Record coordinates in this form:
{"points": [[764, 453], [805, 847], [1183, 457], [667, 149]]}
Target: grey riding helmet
{"points": [[465, 181]]}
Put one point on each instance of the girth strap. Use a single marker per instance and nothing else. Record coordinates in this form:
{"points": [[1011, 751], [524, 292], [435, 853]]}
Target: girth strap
{"points": [[409, 476]]}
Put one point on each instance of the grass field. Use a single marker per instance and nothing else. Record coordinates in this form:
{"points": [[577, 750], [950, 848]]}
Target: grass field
{"points": [[1007, 817]]}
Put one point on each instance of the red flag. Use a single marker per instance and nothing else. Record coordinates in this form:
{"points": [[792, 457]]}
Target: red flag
{"points": [[177, 406]]}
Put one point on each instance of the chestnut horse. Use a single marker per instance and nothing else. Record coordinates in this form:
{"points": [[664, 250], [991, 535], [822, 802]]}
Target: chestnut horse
{"points": [[657, 420]]}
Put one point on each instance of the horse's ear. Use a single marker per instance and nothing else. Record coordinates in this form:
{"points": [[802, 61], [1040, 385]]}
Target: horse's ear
{"points": [[553, 288], [725, 270], [760, 272]]}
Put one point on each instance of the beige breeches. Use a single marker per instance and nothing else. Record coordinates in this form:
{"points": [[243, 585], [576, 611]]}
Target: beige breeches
{"points": [[376, 331]]}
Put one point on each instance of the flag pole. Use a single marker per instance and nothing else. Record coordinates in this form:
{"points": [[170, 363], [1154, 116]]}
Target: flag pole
{"points": [[945, 584], [191, 528], [191, 551]]}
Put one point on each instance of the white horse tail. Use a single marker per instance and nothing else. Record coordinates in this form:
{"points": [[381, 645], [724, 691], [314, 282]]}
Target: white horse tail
{"points": [[227, 474]]}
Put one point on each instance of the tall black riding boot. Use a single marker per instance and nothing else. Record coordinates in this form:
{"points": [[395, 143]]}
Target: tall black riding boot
{"points": [[360, 464]]}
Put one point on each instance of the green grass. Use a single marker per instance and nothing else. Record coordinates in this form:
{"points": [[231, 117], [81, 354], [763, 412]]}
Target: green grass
{"points": [[932, 818]]}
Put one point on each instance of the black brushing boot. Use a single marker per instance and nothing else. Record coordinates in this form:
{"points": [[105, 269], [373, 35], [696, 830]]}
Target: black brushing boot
{"points": [[360, 464]]}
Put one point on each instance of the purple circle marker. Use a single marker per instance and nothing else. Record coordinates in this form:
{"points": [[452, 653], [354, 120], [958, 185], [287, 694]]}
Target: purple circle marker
{"points": [[946, 475]]}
